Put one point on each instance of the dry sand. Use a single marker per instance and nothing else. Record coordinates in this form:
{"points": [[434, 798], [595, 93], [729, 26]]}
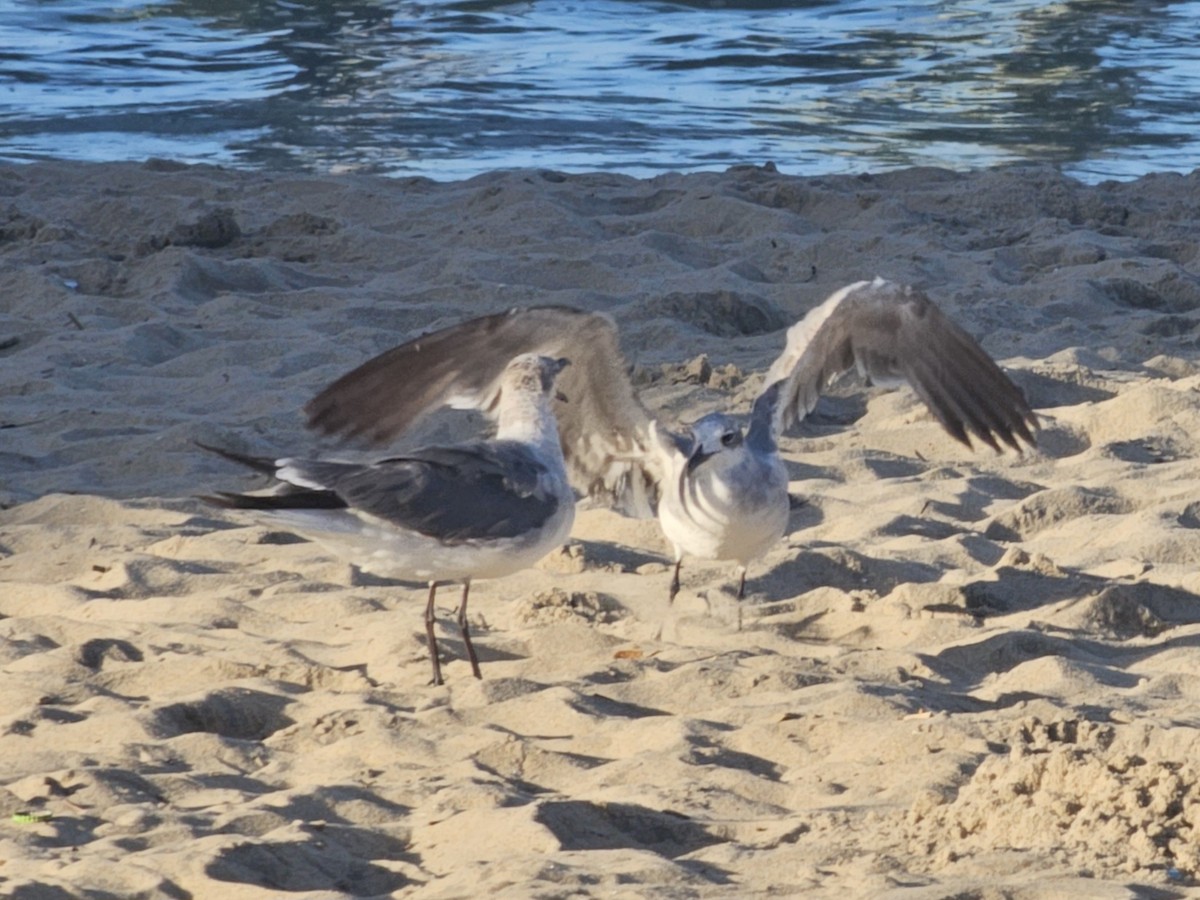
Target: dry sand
{"points": [[962, 674]]}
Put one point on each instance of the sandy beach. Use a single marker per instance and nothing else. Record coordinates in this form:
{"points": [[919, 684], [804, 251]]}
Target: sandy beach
{"points": [[962, 674]]}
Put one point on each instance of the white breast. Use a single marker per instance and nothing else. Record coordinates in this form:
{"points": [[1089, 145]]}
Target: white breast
{"points": [[735, 512]]}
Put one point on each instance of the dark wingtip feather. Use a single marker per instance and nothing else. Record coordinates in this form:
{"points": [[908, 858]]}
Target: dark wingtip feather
{"points": [[978, 392], [262, 464], [954, 427], [289, 499], [225, 500]]}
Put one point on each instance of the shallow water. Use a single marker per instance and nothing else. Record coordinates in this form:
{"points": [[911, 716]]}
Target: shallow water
{"points": [[1105, 89]]}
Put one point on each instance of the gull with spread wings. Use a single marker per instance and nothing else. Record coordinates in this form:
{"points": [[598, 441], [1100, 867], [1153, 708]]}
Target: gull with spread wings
{"points": [[718, 488]]}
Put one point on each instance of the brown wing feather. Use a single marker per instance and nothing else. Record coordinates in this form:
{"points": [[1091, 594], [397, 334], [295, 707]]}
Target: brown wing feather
{"points": [[891, 332], [603, 426], [460, 365]]}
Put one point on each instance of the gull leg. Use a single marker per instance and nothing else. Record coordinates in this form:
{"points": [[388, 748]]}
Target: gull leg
{"points": [[741, 594], [430, 640], [466, 632], [675, 580]]}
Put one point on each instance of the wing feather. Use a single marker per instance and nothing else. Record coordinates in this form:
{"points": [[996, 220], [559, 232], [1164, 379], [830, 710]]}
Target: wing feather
{"points": [[604, 428], [890, 332]]}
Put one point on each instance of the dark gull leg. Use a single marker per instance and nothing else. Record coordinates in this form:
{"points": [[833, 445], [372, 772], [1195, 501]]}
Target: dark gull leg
{"points": [[430, 640], [466, 632], [675, 580], [741, 594]]}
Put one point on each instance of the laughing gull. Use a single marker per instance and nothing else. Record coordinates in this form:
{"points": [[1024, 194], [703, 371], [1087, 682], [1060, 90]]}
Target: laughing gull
{"points": [[451, 513], [719, 490]]}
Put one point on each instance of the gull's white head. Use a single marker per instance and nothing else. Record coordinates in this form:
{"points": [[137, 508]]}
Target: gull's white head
{"points": [[713, 435], [530, 373], [524, 411]]}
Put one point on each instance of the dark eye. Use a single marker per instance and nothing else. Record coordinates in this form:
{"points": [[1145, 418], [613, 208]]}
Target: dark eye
{"points": [[729, 438]]}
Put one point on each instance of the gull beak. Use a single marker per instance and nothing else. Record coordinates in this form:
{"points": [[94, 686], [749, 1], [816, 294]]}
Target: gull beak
{"points": [[562, 363], [698, 456]]}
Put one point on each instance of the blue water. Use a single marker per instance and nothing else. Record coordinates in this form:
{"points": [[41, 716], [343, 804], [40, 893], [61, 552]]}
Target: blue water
{"points": [[1103, 89]]}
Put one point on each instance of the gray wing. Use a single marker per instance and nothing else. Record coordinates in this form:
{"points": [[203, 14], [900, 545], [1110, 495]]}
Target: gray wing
{"points": [[604, 428], [891, 332], [468, 492]]}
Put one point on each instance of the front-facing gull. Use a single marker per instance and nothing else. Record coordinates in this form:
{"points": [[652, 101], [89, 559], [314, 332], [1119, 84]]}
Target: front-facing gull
{"points": [[445, 513], [720, 490]]}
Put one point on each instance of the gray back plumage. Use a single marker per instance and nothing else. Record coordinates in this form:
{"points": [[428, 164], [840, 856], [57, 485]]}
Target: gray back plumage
{"points": [[455, 494]]}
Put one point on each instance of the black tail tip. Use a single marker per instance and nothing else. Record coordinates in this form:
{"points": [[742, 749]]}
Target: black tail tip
{"points": [[225, 500]]}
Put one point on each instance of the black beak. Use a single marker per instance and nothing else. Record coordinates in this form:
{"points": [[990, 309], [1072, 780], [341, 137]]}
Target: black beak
{"points": [[698, 456], [559, 364]]}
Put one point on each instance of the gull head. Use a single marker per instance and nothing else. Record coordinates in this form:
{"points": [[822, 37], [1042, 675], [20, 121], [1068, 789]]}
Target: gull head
{"points": [[530, 373], [713, 435]]}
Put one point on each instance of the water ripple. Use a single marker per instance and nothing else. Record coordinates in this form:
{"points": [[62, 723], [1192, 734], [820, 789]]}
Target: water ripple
{"points": [[1104, 88]]}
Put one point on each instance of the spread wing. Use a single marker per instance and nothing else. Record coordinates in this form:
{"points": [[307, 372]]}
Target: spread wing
{"points": [[890, 333], [604, 428]]}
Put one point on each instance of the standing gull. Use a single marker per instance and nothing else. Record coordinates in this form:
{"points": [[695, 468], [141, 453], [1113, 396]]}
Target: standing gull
{"points": [[453, 513], [720, 490]]}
